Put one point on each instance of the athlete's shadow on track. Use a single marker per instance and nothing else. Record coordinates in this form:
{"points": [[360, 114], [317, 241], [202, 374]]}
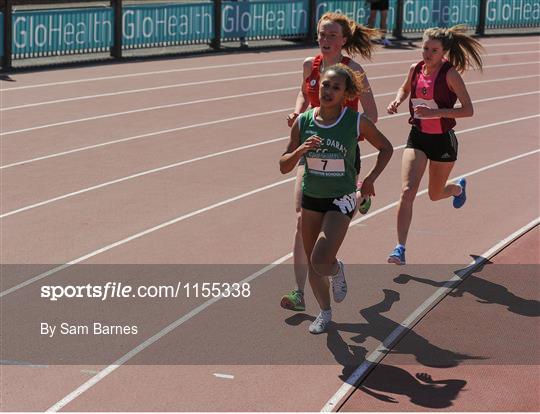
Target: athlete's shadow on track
{"points": [[487, 292], [421, 389], [380, 327]]}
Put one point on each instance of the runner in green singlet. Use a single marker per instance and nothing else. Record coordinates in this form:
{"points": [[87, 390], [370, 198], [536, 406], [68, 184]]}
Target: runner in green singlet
{"points": [[327, 137]]}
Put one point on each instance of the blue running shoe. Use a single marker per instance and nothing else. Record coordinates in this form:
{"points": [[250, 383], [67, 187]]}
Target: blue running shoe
{"points": [[397, 256], [460, 199]]}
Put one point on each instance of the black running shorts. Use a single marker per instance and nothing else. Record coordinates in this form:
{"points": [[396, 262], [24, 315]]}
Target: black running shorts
{"points": [[345, 204], [437, 147]]}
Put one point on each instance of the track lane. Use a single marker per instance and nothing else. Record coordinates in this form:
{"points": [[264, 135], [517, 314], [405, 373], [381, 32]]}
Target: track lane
{"points": [[144, 155], [50, 219], [154, 68], [503, 288], [56, 139], [232, 222]]}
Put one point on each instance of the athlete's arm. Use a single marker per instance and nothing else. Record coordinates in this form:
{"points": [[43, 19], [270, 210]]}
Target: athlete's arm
{"points": [[302, 100], [402, 93], [294, 151], [456, 85], [366, 98], [380, 142]]}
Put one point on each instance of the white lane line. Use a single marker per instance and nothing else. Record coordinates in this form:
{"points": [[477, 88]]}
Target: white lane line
{"points": [[510, 44], [502, 65], [218, 121], [515, 95], [219, 204], [497, 164], [156, 72], [179, 85], [176, 85], [140, 174], [241, 148], [150, 134], [159, 107], [511, 53], [230, 65], [155, 88], [503, 79], [388, 343], [226, 376], [152, 108], [141, 234], [177, 164], [21, 363], [122, 360]]}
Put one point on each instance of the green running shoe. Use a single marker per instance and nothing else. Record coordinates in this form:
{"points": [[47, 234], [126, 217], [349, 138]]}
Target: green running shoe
{"points": [[294, 300]]}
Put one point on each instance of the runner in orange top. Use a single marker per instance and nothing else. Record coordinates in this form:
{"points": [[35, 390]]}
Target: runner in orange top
{"points": [[336, 33]]}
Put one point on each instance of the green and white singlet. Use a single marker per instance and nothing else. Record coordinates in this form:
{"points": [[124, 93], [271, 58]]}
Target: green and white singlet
{"points": [[329, 170]]}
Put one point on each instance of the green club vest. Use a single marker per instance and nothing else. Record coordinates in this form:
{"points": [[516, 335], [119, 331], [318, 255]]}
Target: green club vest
{"points": [[329, 170]]}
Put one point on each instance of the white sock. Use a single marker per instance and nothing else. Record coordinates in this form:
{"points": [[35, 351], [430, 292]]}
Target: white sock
{"points": [[460, 190], [326, 314]]}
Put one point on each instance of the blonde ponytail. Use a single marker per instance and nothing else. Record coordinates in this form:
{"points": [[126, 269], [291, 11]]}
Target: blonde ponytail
{"points": [[358, 37], [464, 51]]}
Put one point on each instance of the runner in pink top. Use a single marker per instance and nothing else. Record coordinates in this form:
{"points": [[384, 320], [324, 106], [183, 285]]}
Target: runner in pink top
{"points": [[424, 93], [435, 84]]}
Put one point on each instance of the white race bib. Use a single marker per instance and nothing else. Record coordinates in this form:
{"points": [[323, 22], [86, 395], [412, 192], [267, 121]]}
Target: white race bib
{"points": [[331, 166], [430, 103]]}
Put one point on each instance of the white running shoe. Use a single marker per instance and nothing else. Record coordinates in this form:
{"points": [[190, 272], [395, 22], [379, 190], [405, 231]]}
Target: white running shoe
{"points": [[339, 284], [320, 323]]}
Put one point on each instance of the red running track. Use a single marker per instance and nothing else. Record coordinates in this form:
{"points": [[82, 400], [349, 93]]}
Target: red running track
{"points": [[175, 162]]}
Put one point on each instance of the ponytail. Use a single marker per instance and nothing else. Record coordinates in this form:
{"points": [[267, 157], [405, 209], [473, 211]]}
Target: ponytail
{"points": [[464, 51], [360, 40], [358, 37]]}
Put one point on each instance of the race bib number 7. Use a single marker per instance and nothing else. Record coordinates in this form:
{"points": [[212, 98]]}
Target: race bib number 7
{"points": [[326, 166]]}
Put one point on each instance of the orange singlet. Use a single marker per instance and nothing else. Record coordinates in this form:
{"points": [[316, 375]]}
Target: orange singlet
{"points": [[312, 83]]}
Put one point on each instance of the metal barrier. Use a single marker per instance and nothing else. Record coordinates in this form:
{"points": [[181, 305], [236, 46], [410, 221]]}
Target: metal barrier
{"points": [[1, 34], [119, 27]]}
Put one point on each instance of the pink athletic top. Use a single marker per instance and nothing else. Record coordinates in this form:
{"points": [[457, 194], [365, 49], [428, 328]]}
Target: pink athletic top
{"points": [[433, 92]]}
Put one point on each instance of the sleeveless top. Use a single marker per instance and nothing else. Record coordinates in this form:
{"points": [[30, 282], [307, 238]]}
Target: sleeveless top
{"points": [[434, 92], [330, 171], [312, 83]]}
